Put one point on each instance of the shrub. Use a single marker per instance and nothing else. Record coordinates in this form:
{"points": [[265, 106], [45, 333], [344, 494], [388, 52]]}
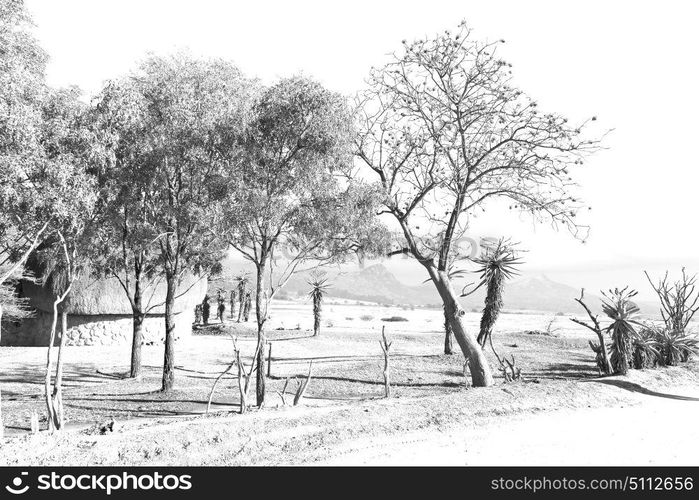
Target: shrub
{"points": [[622, 311], [676, 347], [646, 348], [366, 317], [679, 301], [394, 319]]}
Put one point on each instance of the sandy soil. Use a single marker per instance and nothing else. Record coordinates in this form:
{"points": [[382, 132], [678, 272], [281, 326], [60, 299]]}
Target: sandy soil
{"points": [[557, 414], [559, 437]]}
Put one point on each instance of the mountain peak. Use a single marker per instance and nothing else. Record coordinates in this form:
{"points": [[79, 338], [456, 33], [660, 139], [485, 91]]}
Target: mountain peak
{"points": [[377, 271]]}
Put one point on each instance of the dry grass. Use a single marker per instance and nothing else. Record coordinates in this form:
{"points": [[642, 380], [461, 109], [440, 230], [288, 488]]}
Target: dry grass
{"points": [[344, 398]]}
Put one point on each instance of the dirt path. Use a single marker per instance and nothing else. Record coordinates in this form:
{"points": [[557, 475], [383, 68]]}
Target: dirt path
{"points": [[648, 417], [660, 430]]}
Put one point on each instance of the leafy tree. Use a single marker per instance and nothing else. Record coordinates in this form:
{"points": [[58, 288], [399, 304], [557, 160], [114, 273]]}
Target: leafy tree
{"points": [[129, 236], [192, 111], [294, 204], [445, 132], [24, 208], [72, 195]]}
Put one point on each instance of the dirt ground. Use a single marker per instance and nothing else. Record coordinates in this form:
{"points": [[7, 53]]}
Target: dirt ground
{"points": [[344, 418]]}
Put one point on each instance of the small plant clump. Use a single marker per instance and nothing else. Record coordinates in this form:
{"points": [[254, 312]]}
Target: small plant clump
{"points": [[622, 312], [638, 345]]}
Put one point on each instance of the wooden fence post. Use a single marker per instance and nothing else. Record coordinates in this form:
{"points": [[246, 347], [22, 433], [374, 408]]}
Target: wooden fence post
{"points": [[386, 347], [2, 424], [269, 361]]}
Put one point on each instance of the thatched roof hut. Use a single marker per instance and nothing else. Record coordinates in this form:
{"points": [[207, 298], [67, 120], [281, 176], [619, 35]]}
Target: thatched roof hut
{"points": [[99, 313], [105, 296]]}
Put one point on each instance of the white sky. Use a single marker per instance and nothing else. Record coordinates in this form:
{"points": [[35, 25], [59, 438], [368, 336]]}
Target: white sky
{"points": [[632, 64]]}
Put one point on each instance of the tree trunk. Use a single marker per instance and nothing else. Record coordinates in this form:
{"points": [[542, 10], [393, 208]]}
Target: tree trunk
{"points": [[169, 359], [316, 315], [481, 375], [241, 301], [58, 382], [491, 311], [623, 348], [136, 345], [137, 340], [2, 425], [51, 416], [261, 314], [448, 335]]}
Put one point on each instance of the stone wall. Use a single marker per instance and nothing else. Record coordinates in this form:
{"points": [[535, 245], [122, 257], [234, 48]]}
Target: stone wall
{"points": [[99, 313], [104, 329]]}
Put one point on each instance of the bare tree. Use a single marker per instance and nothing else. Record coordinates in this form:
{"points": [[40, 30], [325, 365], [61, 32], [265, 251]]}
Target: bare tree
{"points": [[679, 301], [600, 349], [244, 377], [303, 385], [445, 132], [62, 281]]}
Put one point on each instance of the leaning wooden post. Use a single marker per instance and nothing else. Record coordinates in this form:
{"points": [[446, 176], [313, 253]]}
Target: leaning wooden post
{"points": [[2, 425], [386, 347], [34, 422], [242, 382], [269, 361], [303, 385]]}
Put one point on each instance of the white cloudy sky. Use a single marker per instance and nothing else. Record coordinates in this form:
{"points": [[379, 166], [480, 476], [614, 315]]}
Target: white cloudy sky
{"points": [[633, 64]]}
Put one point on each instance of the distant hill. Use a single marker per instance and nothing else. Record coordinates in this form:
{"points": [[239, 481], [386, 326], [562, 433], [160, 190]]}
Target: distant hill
{"points": [[377, 284]]}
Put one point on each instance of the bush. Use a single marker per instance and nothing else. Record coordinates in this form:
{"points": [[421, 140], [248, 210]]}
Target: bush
{"points": [[677, 347], [645, 348], [617, 305], [394, 319], [652, 346], [366, 317]]}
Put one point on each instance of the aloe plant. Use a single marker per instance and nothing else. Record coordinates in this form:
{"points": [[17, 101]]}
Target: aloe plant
{"points": [[677, 347], [646, 348], [319, 287], [622, 311], [496, 265], [243, 280]]}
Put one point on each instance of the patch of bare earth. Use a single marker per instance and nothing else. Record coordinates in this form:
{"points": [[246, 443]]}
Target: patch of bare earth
{"points": [[433, 418]]}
